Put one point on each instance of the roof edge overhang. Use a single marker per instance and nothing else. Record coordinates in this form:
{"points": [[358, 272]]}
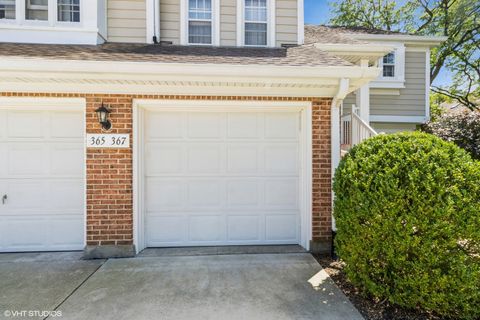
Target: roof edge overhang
{"points": [[356, 52], [19, 74], [430, 41]]}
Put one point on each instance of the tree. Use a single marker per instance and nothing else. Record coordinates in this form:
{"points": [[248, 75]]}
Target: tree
{"points": [[458, 20]]}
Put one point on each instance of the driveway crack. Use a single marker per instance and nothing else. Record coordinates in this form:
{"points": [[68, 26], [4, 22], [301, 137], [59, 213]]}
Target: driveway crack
{"points": [[76, 288]]}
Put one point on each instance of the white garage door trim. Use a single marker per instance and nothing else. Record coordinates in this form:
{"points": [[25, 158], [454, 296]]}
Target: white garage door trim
{"points": [[55, 104], [140, 106]]}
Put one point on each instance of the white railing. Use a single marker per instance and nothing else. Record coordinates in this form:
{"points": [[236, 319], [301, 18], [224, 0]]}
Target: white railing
{"points": [[354, 129]]}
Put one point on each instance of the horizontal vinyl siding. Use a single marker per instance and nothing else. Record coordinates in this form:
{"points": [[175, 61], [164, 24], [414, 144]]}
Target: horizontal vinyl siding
{"points": [[170, 21], [393, 127], [228, 22], [286, 22], [126, 20], [411, 101]]}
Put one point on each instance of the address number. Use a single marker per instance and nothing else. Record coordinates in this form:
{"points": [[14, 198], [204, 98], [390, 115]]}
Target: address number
{"points": [[108, 140]]}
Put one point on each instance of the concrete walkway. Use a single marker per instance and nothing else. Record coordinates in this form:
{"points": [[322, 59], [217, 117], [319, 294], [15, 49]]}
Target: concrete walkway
{"points": [[242, 286]]}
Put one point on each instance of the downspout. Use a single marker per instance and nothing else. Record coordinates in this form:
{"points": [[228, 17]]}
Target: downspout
{"points": [[342, 92], [156, 21]]}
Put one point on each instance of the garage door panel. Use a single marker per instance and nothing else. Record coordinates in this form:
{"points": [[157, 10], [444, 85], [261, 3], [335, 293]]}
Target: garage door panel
{"points": [[25, 124], [26, 159], [243, 125], [3, 159], [244, 227], [66, 125], [66, 159], [26, 194], [241, 193], [165, 125], [282, 125], [66, 232], [282, 159], [281, 227], [204, 158], [205, 193], [205, 125], [26, 232], [281, 193], [206, 228], [243, 158], [166, 229], [165, 194], [164, 158], [66, 195]]}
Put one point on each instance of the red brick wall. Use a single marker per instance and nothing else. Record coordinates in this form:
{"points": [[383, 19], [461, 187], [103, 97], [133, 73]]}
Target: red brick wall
{"points": [[109, 171]]}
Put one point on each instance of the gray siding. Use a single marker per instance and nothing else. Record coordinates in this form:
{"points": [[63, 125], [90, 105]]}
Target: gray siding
{"points": [[393, 127], [126, 21], [411, 101], [286, 22]]}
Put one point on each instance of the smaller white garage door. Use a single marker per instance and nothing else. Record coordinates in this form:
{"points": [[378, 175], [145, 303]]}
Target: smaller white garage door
{"points": [[222, 178], [41, 180]]}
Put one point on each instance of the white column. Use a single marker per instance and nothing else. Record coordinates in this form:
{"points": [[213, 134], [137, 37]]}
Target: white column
{"points": [[363, 98]]}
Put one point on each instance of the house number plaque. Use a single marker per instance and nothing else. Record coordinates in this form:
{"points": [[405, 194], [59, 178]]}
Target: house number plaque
{"points": [[117, 141]]}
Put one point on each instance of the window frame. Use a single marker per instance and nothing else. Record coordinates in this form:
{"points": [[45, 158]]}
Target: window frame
{"points": [[245, 21], [185, 19], [200, 20], [52, 21], [271, 24], [398, 80]]}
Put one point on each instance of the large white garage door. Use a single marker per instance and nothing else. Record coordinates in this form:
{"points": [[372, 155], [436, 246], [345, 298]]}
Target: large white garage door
{"points": [[221, 178], [41, 180]]}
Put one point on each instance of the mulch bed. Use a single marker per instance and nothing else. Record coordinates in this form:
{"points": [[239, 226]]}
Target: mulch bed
{"points": [[370, 308]]}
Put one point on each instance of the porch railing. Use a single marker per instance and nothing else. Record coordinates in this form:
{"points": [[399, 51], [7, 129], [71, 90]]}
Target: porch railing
{"points": [[354, 129]]}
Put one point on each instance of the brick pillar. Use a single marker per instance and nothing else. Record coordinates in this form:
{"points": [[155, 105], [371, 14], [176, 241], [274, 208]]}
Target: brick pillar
{"points": [[109, 184], [322, 177]]}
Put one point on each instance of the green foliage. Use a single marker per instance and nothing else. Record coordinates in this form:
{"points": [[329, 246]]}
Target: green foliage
{"points": [[407, 210], [458, 20]]}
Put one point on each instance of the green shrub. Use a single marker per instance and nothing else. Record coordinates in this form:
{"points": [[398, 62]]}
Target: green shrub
{"points": [[407, 210]]}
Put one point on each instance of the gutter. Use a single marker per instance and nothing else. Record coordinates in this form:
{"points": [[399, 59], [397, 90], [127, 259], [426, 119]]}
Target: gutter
{"points": [[408, 39]]}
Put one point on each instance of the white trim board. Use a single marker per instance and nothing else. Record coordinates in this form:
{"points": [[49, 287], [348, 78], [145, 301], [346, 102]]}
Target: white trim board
{"points": [[399, 119], [140, 105]]}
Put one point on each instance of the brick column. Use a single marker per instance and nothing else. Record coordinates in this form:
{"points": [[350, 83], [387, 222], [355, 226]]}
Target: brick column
{"points": [[322, 177], [109, 183]]}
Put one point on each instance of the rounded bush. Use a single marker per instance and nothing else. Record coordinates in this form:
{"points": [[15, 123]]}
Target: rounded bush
{"points": [[407, 211]]}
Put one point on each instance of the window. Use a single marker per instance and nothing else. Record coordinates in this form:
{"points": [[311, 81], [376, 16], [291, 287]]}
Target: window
{"points": [[36, 10], [7, 9], [389, 65], [68, 10], [200, 21], [256, 22]]}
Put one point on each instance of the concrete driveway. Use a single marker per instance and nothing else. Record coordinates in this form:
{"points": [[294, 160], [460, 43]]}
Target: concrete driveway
{"points": [[152, 286]]}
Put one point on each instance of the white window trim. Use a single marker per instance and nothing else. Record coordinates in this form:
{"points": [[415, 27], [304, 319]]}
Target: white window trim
{"points": [[271, 24], [52, 31], [20, 19], [398, 81], [215, 24]]}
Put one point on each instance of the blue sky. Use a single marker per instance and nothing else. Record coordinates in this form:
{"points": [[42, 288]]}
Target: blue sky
{"points": [[318, 12]]}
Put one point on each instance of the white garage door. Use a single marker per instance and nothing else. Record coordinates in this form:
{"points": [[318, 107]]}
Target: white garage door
{"points": [[41, 180], [221, 178]]}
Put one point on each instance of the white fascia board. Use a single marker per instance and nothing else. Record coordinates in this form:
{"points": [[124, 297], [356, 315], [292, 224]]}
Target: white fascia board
{"points": [[156, 69], [356, 49], [413, 39]]}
